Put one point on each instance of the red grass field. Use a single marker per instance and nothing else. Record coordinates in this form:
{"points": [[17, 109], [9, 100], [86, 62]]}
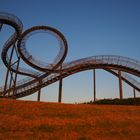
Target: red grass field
{"points": [[24, 120]]}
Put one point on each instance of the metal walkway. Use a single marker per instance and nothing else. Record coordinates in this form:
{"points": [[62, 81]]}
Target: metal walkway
{"points": [[45, 74]]}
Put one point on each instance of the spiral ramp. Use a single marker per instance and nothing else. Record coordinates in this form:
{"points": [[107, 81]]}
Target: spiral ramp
{"points": [[45, 73]]}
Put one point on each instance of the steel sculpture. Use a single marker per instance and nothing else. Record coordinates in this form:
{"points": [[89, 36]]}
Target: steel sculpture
{"points": [[48, 73]]}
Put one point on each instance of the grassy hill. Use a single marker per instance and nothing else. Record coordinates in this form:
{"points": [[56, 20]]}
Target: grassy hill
{"points": [[26, 120]]}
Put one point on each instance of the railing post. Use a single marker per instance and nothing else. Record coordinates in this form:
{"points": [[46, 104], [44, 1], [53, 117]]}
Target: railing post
{"points": [[120, 85], [94, 84]]}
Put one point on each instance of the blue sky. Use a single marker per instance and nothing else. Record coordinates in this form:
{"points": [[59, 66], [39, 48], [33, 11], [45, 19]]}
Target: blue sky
{"points": [[91, 27]]}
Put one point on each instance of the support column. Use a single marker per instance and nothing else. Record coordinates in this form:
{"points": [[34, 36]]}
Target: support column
{"points": [[38, 96], [39, 93], [10, 84], [60, 87], [120, 85], [94, 84], [134, 91], [60, 91], [1, 26]]}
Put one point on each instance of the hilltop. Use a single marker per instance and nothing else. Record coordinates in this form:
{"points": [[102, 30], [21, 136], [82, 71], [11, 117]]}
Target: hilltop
{"points": [[27, 120]]}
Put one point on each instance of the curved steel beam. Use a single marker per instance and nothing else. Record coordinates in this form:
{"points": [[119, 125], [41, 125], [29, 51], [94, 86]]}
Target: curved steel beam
{"points": [[30, 60], [13, 21]]}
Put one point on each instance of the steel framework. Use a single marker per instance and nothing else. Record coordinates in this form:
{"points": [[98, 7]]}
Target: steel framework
{"points": [[45, 74]]}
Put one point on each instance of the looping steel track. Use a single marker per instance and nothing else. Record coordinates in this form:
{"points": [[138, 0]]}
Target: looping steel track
{"points": [[50, 73], [41, 66]]}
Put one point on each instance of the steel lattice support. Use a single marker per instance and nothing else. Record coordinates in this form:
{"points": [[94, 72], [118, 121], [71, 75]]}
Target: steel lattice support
{"points": [[10, 74], [8, 70]]}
